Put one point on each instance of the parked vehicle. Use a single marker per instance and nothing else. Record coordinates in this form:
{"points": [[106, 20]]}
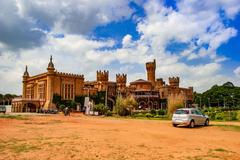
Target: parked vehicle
{"points": [[48, 111], [189, 117], [2, 109]]}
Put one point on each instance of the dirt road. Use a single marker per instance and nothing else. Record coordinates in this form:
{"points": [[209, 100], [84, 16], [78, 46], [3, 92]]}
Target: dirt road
{"points": [[57, 137]]}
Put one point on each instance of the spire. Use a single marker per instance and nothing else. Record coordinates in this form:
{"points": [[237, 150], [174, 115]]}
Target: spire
{"points": [[50, 64], [26, 72]]}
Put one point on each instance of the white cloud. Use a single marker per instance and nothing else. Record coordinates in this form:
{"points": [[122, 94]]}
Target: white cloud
{"points": [[76, 53], [237, 72], [74, 16]]}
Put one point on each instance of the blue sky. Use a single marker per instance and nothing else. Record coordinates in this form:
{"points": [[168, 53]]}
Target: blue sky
{"points": [[196, 40]]}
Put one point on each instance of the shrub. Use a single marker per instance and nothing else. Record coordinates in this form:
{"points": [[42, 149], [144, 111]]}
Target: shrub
{"points": [[219, 116], [211, 115], [148, 115], [153, 112], [100, 108], [161, 112], [62, 106], [157, 116], [124, 106], [108, 113], [234, 115], [139, 115], [238, 115]]}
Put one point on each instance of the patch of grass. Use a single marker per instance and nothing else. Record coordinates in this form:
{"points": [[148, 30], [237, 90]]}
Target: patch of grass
{"points": [[141, 145], [137, 118], [23, 148], [16, 146], [228, 127], [220, 150], [18, 117]]}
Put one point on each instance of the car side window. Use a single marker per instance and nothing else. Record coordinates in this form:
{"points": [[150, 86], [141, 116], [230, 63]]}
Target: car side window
{"points": [[193, 111], [198, 112]]}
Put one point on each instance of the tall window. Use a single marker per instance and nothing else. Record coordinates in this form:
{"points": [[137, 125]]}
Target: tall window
{"points": [[41, 91], [68, 91], [30, 92]]}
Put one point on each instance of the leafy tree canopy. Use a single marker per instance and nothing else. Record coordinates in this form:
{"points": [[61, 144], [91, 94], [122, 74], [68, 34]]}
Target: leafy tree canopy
{"points": [[227, 94]]}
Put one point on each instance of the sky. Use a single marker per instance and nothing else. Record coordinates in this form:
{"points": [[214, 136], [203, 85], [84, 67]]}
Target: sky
{"points": [[195, 40]]}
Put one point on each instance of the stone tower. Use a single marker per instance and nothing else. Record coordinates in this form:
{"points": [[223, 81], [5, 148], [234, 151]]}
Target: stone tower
{"points": [[151, 68], [50, 79], [121, 80], [174, 81], [25, 78], [102, 76]]}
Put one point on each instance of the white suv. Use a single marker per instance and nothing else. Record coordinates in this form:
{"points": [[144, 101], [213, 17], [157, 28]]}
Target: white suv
{"points": [[189, 117]]}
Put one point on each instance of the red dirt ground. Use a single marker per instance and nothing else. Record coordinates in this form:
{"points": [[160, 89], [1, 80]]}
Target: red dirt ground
{"points": [[56, 137]]}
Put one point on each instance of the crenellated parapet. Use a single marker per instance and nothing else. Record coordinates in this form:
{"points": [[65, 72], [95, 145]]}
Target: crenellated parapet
{"points": [[174, 81], [102, 75], [81, 76], [151, 65], [121, 78], [160, 82]]}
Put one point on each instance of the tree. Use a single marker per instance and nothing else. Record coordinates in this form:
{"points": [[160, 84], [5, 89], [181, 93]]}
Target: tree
{"points": [[80, 99], [120, 108], [130, 103], [56, 99], [99, 97], [224, 95], [124, 106]]}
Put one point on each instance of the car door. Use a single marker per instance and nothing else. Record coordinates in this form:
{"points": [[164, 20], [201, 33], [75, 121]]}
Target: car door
{"points": [[200, 117], [195, 117]]}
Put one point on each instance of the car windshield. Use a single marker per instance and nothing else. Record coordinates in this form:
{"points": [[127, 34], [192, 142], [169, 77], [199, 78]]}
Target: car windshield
{"points": [[182, 112]]}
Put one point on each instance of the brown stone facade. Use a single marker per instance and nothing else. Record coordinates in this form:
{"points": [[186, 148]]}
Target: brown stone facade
{"points": [[38, 91]]}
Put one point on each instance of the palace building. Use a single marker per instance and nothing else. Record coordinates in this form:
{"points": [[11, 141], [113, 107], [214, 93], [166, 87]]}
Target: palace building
{"points": [[38, 90]]}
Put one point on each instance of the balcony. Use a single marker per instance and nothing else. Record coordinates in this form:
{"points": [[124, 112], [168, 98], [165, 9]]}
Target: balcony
{"points": [[146, 96]]}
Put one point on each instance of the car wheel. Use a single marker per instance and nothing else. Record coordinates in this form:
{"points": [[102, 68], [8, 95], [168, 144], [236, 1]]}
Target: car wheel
{"points": [[174, 125], [192, 124], [207, 122]]}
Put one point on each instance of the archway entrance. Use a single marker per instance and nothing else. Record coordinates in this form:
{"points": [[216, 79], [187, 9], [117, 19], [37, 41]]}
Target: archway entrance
{"points": [[29, 107], [142, 105], [110, 103]]}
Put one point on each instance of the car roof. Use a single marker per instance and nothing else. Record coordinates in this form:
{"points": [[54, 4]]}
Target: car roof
{"points": [[187, 109]]}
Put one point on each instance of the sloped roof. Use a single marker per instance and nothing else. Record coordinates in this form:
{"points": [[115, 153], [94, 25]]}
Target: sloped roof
{"points": [[139, 81]]}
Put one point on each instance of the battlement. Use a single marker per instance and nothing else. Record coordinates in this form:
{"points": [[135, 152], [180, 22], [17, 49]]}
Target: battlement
{"points": [[70, 75], [102, 75], [160, 82], [174, 81], [151, 65], [121, 78]]}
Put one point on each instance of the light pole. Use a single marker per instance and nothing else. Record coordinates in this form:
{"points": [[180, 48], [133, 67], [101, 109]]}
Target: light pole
{"points": [[224, 105], [232, 99], [106, 96], [200, 102], [209, 103]]}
